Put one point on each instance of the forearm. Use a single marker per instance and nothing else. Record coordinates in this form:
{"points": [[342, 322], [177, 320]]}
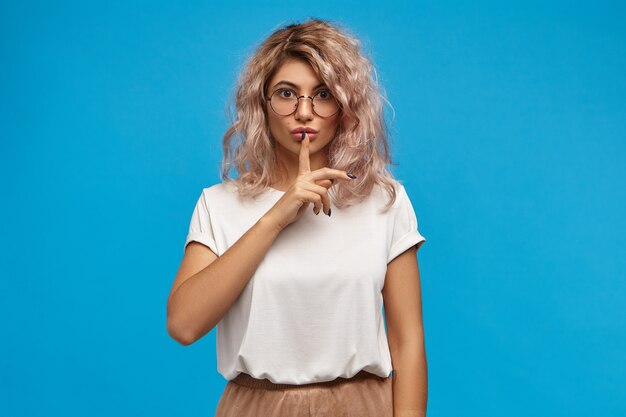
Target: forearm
{"points": [[410, 380], [201, 301]]}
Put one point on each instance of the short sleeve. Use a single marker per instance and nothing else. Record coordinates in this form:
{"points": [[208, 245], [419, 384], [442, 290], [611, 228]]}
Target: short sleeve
{"points": [[200, 227], [404, 233]]}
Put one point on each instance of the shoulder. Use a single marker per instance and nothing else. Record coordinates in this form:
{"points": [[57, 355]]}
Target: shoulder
{"points": [[381, 193], [219, 190]]}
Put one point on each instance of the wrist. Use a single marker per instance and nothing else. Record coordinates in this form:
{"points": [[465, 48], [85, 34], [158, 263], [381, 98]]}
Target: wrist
{"points": [[269, 224]]}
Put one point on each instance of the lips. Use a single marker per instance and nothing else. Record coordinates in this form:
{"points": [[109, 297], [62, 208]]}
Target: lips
{"points": [[302, 129], [298, 136]]}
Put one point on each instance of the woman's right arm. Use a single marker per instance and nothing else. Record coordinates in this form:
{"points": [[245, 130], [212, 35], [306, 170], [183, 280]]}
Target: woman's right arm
{"points": [[206, 286]]}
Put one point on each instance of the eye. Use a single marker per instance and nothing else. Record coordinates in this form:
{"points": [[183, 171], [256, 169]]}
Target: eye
{"points": [[324, 94], [285, 93]]}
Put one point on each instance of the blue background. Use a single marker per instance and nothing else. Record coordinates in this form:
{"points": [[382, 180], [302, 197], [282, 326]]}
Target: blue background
{"points": [[509, 132]]}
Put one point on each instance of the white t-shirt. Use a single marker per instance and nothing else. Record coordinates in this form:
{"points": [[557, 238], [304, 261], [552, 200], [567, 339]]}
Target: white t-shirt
{"points": [[312, 311]]}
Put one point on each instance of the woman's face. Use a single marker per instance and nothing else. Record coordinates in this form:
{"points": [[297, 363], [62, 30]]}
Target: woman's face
{"points": [[304, 82]]}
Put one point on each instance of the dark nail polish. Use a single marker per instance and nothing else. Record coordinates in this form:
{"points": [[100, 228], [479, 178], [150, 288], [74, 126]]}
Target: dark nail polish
{"points": [[329, 211], [351, 175]]}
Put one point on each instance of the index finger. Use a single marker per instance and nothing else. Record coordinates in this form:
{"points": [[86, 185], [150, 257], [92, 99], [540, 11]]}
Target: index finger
{"points": [[305, 163]]}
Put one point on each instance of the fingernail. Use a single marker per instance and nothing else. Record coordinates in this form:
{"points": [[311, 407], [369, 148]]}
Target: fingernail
{"points": [[303, 135], [329, 211], [351, 176]]}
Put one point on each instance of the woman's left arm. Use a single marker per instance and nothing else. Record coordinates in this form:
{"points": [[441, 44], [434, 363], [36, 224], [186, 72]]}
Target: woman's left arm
{"points": [[405, 333]]}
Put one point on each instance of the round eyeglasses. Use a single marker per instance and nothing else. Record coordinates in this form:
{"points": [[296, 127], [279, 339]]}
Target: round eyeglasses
{"points": [[284, 102]]}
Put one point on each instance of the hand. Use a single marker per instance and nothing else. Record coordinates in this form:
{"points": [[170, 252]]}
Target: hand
{"points": [[309, 187]]}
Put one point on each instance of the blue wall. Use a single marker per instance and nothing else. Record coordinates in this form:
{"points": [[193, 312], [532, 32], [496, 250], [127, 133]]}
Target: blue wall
{"points": [[510, 134]]}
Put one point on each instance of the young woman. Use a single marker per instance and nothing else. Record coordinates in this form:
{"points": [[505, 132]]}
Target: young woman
{"points": [[296, 297]]}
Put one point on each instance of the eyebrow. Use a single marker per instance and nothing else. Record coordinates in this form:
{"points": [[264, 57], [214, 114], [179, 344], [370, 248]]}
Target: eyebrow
{"points": [[289, 83]]}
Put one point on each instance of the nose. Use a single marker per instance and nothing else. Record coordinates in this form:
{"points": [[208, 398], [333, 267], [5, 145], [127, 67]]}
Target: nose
{"points": [[304, 111]]}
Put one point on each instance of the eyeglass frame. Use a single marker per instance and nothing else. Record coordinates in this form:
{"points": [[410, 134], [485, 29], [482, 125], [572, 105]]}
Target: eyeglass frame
{"points": [[339, 108]]}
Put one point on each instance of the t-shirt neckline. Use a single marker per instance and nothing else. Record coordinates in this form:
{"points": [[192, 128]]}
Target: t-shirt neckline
{"points": [[274, 190]]}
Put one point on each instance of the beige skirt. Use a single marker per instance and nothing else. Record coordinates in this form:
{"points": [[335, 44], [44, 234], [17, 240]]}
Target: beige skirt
{"points": [[363, 395]]}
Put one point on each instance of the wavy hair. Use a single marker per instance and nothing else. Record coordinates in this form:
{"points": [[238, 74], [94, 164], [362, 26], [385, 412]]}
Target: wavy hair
{"points": [[360, 145]]}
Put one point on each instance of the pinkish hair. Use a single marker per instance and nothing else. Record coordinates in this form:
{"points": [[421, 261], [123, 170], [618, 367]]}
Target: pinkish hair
{"points": [[360, 145]]}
